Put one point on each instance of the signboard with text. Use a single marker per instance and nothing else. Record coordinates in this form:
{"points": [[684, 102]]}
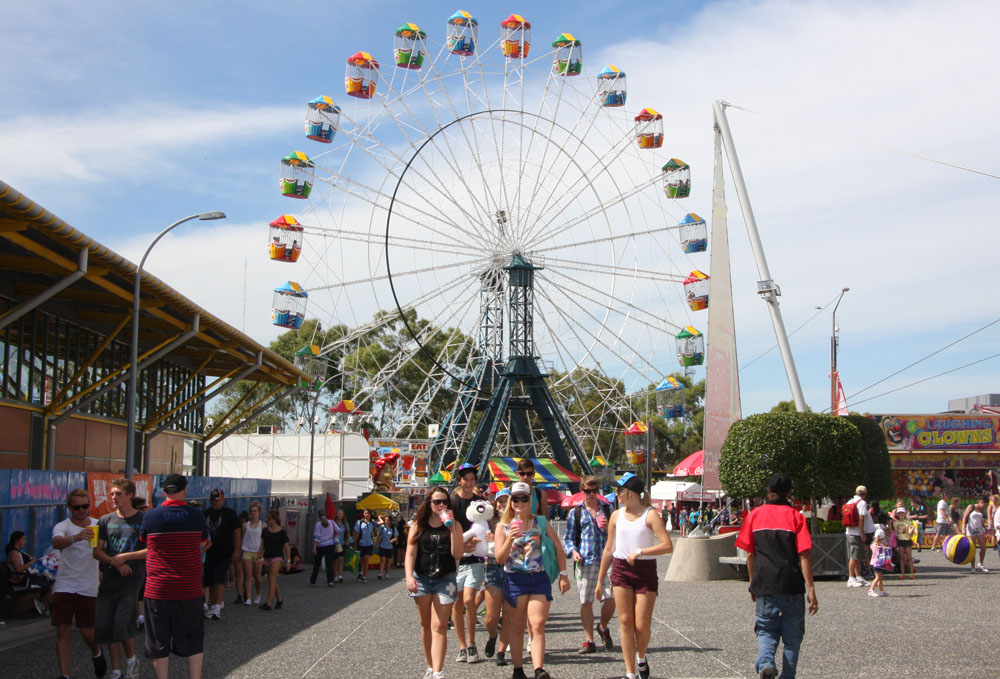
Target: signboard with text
{"points": [[967, 432]]}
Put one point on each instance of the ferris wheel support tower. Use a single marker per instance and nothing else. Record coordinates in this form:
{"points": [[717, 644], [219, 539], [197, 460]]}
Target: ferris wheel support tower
{"points": [[522, 387]]}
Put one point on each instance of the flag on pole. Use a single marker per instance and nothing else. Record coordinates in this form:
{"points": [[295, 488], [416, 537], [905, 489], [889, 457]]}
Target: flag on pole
{"points": [[841, 398]]}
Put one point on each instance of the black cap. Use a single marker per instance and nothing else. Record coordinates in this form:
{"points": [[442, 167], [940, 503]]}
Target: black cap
{"points": [[174, 483], [779, 483], [216, 494], [631, 482]]}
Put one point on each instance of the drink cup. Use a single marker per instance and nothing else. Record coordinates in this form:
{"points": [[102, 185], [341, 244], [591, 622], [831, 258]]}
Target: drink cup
{"points": [[446, 519], [601, 521], [93, 536], [517, 524]]}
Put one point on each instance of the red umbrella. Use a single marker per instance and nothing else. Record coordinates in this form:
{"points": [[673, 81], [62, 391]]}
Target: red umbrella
{"points": [[554, 496], [692, 465], [577, 499]]}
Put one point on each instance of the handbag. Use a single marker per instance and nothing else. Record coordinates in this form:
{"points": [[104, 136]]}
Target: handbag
{"points": [[548, 551]]}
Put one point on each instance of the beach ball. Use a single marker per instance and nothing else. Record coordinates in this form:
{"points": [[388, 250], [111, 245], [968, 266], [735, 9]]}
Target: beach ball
{"points": [[958, 549]]}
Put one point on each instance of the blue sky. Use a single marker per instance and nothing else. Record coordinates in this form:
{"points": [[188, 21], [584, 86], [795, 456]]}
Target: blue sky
{"points": [[121, 118]]}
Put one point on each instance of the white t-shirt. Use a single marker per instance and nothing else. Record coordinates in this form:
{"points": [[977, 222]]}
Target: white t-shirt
{"points": [[942, 512], [77, 572], [996, 523], [862, 508]]}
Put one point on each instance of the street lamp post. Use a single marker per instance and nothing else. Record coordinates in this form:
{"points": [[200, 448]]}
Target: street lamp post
{"points": [[833, 355], [134, 359]]}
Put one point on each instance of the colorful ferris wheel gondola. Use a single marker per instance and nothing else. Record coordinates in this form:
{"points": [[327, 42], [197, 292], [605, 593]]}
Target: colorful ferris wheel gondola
{"points": [[285, 244], [361, 76], [670, 398], [322, 119], [410, 47], [611, 89], [288, 310], [649, 129], [693, 234], [463, 33], [696, 290], [690, 347], [677, 178], [296, 179], [635, 443], [515, 37], [568, 57]]}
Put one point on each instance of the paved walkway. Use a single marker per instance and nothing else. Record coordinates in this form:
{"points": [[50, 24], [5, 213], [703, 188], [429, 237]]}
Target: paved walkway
{"points": [[939, 625]]}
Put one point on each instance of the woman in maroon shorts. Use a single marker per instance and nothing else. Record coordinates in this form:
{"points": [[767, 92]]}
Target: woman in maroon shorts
{"points": [[636, 536]]}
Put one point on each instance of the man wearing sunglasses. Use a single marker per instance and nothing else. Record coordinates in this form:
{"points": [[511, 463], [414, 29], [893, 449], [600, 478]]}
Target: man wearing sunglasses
{"points": [[75, 591], [526, 474], [586, 535], [471, 569]]}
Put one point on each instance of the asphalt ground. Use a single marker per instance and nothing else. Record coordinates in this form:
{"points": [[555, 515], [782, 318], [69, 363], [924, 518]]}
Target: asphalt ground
{"points": [[939, 625]]}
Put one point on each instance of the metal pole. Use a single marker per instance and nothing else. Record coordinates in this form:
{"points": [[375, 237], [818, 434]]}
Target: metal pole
{"points": [[833, 355], [130, 395], [765, 286]]}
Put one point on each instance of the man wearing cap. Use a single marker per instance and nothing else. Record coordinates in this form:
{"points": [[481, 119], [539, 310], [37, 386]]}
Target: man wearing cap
{"points": [[471, 568], [175, 535], [224, 532], [779, 560], [858, 538]]}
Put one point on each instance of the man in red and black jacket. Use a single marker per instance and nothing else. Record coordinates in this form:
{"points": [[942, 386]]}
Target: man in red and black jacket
{"points": [[779, 560], [175, 534]]}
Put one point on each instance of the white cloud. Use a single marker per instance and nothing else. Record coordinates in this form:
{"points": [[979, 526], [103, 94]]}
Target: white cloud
{"points": [[133, 142]]}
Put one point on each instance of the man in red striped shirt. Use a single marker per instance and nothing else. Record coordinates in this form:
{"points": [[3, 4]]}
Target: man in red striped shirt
{"points": [[779, 559], [175, 535]]}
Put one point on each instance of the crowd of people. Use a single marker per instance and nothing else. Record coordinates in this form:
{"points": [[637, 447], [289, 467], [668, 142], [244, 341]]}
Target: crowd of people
{"points": [[164, 571]]}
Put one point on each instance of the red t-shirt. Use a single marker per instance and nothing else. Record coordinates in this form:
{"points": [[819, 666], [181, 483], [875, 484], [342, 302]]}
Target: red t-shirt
{"points": [[173, 533], [775, 534]]}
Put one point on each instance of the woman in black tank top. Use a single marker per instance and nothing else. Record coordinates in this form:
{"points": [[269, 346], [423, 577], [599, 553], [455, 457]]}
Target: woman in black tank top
{"points": [[432, 553]]}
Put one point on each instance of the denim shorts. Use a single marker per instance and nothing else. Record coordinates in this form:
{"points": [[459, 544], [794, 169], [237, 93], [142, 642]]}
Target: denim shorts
{"points": [[445, 587], [471, 576], [494, 576], [520, 584]]}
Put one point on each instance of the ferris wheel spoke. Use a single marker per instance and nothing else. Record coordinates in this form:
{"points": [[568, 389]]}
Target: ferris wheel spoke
{"points": [[364, 135], [572, 300], [605, 239], [602, 208], [642, 274], [575, 286], [378, 240], [401, 275]]}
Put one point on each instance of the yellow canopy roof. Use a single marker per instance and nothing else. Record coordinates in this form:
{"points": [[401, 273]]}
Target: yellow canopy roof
{"points": [[376, 502]]}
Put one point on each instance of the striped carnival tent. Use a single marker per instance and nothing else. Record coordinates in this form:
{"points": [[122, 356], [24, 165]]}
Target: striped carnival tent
{"points": [[546, 470]]}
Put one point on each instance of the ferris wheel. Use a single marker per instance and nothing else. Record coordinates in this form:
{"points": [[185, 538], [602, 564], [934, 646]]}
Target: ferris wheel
{"points": [[479, 205]]}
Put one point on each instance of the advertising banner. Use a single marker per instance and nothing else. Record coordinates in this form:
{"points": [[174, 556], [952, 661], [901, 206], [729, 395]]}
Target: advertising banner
{"points": [[99, 483], [940, 432]]}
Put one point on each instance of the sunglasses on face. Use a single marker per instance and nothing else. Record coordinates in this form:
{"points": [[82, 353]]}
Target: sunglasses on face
{"points": [[526, 473], [439, 501], [520, 498], [589, 491], [79, 506]]}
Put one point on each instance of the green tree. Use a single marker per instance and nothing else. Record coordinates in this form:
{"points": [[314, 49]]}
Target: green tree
{"points": [[877, 471], [388, 351], [787, 407], [674, 439], [821, 454]]}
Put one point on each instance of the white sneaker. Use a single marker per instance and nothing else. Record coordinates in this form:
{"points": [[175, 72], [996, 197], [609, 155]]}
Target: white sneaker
{"points": [[131, 668], [854, 582], [882, 592], [872, 593], [438, 675], [247, 602], [983, 569], [972, 569], [429, 673], [256, 600], [115, 674]]}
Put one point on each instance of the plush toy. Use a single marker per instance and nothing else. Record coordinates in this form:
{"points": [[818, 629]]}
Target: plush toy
{"points": [[479, 513]]}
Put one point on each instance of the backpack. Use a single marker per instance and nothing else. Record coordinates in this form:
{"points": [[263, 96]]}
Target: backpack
{"points": [[578, 513], [549, 558], [849, 515]]}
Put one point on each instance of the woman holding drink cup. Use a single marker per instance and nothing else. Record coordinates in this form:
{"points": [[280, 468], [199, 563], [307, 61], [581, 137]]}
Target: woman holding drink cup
{"points": [[526, 588], [433, 549]]}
